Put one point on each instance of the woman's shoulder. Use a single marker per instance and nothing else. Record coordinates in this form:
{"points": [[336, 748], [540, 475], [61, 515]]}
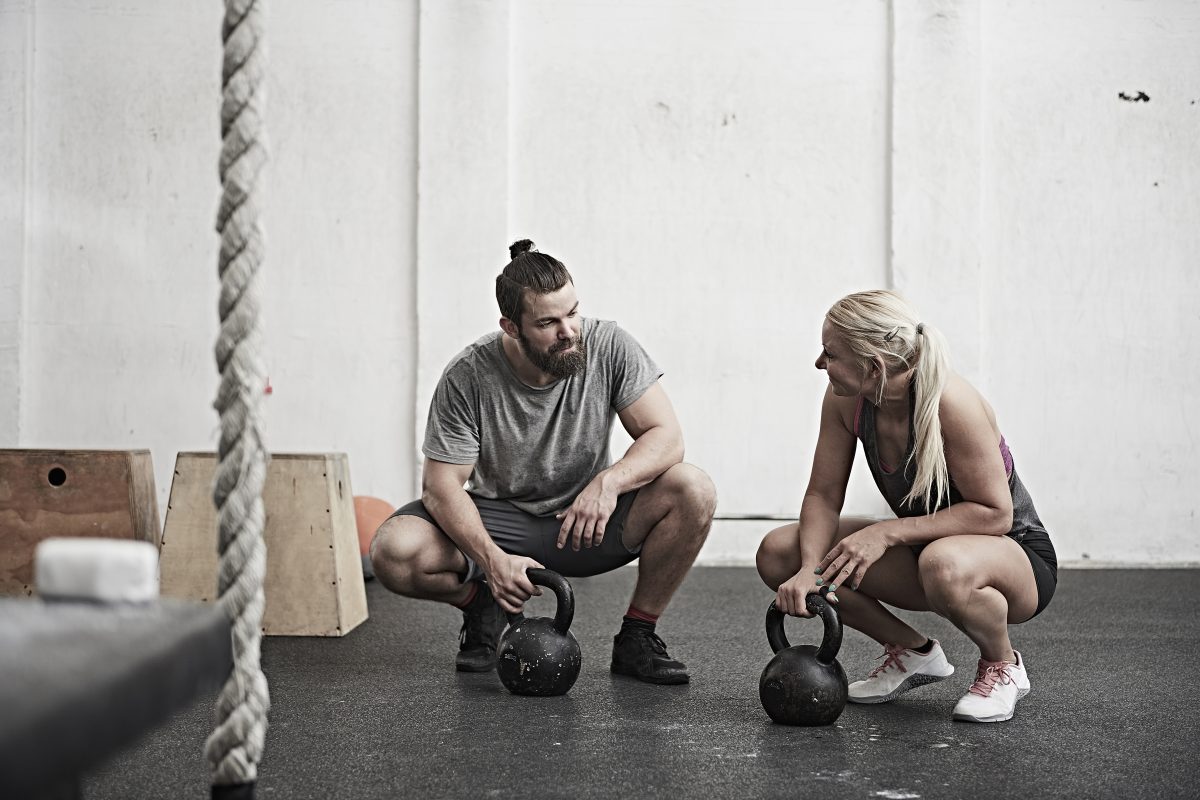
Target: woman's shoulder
{"points": [[961, 404], [844, 409]]}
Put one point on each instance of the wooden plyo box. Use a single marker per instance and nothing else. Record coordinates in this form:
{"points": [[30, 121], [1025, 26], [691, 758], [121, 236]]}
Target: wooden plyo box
{"points": [[44, 493], [314, 582]]}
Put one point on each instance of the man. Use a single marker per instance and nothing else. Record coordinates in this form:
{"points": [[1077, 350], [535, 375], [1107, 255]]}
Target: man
{"points": [[522, 418]]}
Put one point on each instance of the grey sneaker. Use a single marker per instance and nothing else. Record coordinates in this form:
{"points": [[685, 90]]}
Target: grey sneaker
{"points": [[483, 622], [900, 671]]}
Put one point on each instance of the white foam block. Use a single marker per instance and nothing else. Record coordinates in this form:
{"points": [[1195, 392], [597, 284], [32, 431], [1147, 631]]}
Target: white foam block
{"points": [[104, 570]]}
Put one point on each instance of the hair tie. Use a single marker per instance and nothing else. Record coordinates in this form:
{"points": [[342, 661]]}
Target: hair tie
{"points": [[920, 328]]}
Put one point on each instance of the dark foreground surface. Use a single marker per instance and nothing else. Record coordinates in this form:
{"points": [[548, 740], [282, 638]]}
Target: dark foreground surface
{"points": [[380, 713]]}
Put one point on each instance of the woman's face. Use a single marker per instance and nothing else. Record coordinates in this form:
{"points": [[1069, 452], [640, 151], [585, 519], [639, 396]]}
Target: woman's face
{"points": [[847, 373]]}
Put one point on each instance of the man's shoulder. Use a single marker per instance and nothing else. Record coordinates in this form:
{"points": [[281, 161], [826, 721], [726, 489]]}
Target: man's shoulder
{"points": [[606, 330], [473, 359]]}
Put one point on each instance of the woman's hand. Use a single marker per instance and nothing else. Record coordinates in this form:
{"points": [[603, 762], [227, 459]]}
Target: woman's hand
{"points": [[791, 598], [847, 563]]}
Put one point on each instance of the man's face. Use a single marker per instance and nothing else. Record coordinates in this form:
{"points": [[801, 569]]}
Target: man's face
{"points": [[549, 332]]}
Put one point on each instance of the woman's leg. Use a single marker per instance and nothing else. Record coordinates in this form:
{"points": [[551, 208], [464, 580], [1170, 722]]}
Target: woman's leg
{"points": [[981, 584], [893, 580], [909, 658]]}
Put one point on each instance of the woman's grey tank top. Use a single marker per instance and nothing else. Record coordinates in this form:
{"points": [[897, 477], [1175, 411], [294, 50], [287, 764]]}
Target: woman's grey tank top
{"points": [[895, 485]]}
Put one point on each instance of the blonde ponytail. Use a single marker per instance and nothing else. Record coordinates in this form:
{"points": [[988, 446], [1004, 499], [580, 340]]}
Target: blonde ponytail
{"points": [[932, 481], [881, 327]]}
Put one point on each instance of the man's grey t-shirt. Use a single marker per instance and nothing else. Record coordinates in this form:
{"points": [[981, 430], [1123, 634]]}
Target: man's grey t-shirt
{"points": [[535, 447]]}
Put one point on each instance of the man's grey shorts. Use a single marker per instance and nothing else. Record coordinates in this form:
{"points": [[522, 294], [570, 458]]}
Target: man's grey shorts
{"points": [[522, 534]]}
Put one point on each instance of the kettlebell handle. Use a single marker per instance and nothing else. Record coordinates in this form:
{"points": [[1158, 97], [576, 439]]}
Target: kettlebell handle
{"points": [[562, 590], [831, 643]]}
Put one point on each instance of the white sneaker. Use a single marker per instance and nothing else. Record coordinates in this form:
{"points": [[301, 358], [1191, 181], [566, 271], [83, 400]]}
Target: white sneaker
{"points": [[900, 671], [994, 694]]}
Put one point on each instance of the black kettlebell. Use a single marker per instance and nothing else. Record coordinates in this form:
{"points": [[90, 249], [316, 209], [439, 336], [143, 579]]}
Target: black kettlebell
{"points": [[538, 655], [802, 684]]}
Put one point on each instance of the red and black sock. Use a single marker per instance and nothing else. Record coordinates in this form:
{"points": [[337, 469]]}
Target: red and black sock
{"points": [[470, 596], [636, 618]]}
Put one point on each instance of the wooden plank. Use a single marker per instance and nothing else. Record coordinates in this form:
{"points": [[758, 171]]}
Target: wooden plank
{"points": [[44, 493], [313, 583]]}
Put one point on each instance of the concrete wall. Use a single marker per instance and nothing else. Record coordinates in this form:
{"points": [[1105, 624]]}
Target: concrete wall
{"points": [[1092, 200], [15, 99], [714, 173], [118, 251]]}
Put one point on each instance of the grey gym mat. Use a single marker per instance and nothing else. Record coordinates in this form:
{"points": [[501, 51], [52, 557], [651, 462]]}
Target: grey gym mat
{"points": [[79, 681], [381, 713]]}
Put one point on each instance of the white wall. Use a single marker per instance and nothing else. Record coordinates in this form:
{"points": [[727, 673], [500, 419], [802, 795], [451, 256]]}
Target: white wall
{"points": [[1093, 242], [714, 173], [120, 316], [712, 197], [15, 48]]}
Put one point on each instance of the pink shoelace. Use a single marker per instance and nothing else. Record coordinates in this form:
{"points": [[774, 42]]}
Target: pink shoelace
{"points": [[891, 658], [990, 673]]}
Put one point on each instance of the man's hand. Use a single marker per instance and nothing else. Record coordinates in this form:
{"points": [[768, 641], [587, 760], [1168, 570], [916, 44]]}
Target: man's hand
{"points": [[510, 584], [584, 521]]}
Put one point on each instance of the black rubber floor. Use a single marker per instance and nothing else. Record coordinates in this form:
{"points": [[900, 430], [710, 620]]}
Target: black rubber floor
{"points": [[381, 713]]}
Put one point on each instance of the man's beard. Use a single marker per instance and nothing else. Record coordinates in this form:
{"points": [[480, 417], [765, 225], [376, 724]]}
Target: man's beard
{"points": [[556, 362]]}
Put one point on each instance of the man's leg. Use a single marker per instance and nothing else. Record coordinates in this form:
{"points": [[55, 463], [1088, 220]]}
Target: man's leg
{"points": [[412, 557], [669, 520]]}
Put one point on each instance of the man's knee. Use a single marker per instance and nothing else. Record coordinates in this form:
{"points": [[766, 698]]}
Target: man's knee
{"points": [[400, 553], [691, 491]]}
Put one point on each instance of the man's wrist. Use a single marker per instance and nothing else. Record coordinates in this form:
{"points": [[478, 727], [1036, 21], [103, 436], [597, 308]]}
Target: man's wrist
{"points": [[490, 559], [610, 481]]}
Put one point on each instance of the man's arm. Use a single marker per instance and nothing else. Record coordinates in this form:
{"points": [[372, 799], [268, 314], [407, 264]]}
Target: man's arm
{"points": [[444, 497], [657, 446]]}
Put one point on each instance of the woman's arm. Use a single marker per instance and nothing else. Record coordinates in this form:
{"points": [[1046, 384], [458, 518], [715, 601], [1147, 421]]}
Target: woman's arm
{"points": [[973, 459], [822, 506]]}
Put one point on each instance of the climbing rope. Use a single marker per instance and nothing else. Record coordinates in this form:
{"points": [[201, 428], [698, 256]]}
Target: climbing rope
{"points": [[235, 746]]}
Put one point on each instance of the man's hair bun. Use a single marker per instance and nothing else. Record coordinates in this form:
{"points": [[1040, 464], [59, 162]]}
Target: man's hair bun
{"points": [[517, 248]]}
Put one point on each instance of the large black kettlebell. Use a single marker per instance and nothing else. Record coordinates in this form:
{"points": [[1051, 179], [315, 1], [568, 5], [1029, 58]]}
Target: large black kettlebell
{"points": [[802, 684], [538, 655]]}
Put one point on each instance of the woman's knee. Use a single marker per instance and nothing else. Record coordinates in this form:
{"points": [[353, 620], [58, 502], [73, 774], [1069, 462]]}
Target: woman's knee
{"points": [[949, 571], [778, 555]]}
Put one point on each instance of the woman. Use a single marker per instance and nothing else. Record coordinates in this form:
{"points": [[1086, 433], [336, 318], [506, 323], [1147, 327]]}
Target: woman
{"points": [[966, 544]]}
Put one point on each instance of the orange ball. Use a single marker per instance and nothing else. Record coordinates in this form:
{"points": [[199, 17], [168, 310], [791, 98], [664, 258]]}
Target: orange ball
{"points": [[369, 514]]}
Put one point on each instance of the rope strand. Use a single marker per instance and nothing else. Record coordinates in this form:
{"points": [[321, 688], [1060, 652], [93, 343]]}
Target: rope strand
{"points": [[235, 747]]}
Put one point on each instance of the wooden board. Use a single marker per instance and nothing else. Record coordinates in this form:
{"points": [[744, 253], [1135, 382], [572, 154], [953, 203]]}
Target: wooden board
{"points": [[44, 493], [314, 582]]}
